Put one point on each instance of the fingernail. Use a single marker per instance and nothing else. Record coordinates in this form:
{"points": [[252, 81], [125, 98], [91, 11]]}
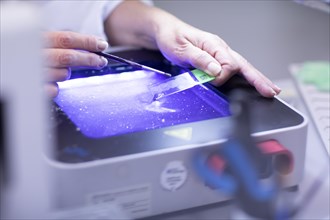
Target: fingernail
{"points": [[102, 44], [51, 89], [278, 89], [274, 93], [103, 62], [213, 69]]}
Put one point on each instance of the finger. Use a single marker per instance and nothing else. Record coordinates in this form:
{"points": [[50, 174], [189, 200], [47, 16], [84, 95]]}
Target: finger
{"points": [[226, 73], [264, 86], [71, 40], [219, 50], [57, 74], [228, 63], [202, 60], [51, 89], [268, 81], [60, 58]]}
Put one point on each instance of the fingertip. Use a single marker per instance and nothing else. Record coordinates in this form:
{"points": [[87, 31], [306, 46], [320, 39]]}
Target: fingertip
{"points": [[272, 90], [58, 74], [270, 93], [277, 89], [51, 90], [63, 74], [103, 62], [213, 69], [273, 93], [202, 60], [101, 45], [68, 76], [265, 90]]}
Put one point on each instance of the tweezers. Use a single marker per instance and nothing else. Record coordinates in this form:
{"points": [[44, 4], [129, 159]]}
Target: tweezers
{"points": [[131, 63]]}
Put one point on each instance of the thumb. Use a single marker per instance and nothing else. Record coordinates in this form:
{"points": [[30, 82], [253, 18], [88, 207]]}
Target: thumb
{"points": [[202, 60]]}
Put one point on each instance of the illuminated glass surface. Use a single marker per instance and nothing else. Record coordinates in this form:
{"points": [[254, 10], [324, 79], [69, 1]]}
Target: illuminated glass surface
{"points": [[114, 104]]}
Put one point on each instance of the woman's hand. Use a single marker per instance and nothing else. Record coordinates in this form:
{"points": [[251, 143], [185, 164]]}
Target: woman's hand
{"points": [[137, 24], [63, 50], [188, 46]]}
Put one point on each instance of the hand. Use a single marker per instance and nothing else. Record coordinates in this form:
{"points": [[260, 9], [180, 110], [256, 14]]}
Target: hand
{"points": [[64, 50], [188, 46], [134, 23]]}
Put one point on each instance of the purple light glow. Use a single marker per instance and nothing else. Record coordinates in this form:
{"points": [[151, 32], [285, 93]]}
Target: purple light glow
{"points": [[114, 104]]}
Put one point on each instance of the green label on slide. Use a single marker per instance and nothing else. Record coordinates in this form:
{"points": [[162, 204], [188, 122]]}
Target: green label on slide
{"points": [[316, 73], [201, 76]]}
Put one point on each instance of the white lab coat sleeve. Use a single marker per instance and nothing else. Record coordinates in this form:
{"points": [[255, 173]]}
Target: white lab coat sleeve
{"points": [[85, 17], [111, 5]]}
